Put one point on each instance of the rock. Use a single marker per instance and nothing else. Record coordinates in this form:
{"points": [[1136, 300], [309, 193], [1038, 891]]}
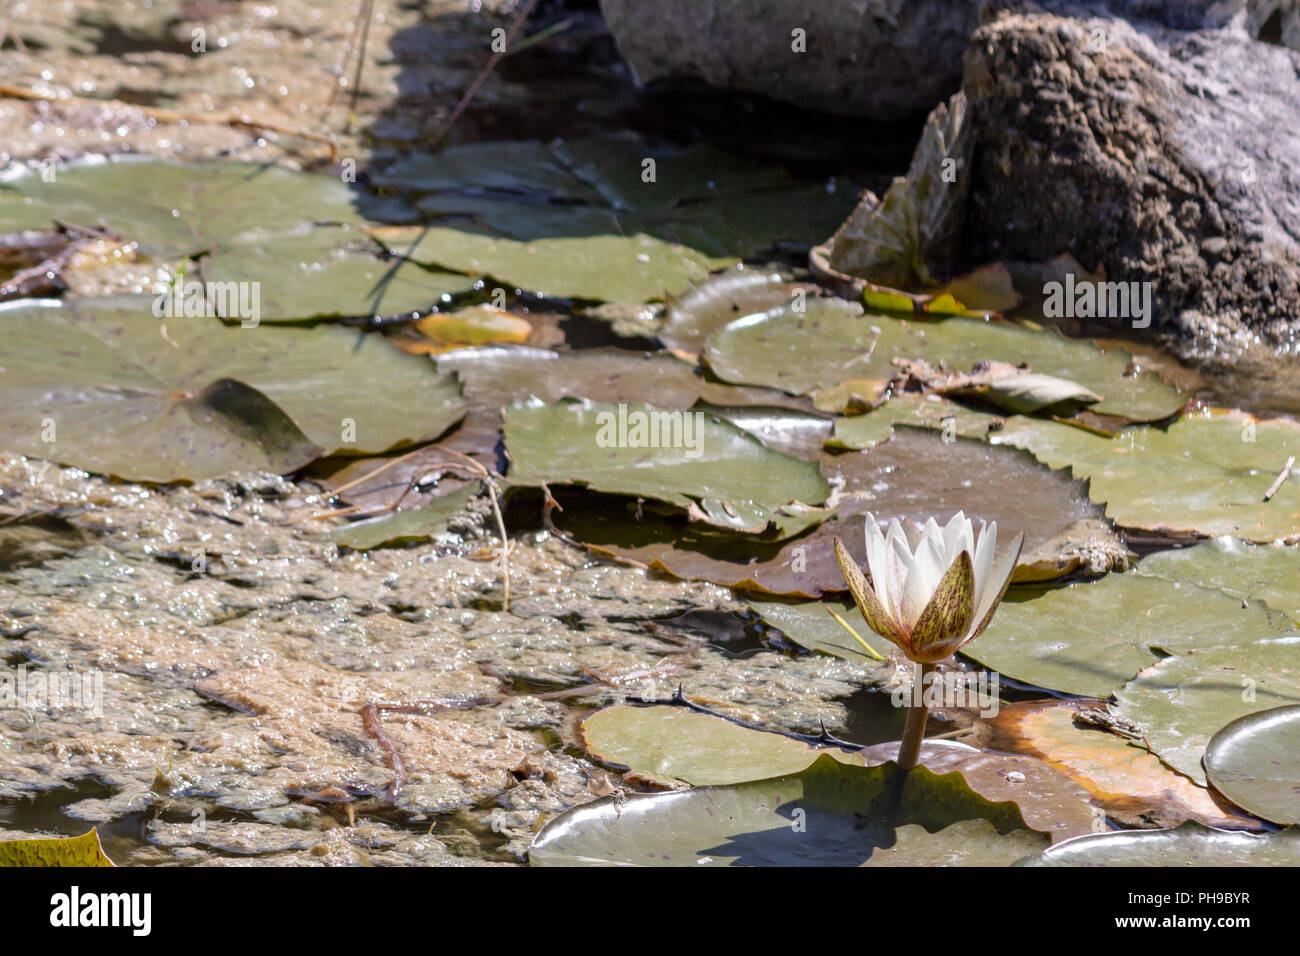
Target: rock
{"points": [[1166, 156], [883, 59]]}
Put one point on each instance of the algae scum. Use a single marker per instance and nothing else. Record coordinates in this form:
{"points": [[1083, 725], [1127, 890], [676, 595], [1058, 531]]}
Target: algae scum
{"points": [[431, 517]]}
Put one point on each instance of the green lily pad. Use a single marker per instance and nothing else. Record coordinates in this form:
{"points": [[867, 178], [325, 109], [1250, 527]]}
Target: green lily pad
{"points": [[918, 411], [293, 233], [1268, 573], [827, 344], [496, 376], [176, 211], [620, 185], [604, 268], [826, 815], [84, 850], [1090, 637], [1191, 844], [674, 745], [691, 317], [1206, 473], [1255, 763], [912, 475], [409, 524], [596, 444], [1086, 638], [1183, 701], [809, 624], [797, 350], [325, 272], [797, 433], [206, 399]]}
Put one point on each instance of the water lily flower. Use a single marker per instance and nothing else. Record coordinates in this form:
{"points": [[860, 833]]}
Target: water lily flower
{"points": [[930, 590]]}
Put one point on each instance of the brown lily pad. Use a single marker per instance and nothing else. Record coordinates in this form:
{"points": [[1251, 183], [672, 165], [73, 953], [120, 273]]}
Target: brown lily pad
{"points": [[1133, 786]]}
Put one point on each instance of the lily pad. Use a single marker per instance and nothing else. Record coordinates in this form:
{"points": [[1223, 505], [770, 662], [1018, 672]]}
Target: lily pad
{"points": [[797, 433], [1183, 701], [1188, 845], [619, 184], [496, 376], [912, 475], [325, 272], [84, 850], [176, 211], [1255, 763], [1206, 473], [603, 268], [207, 398], [810, 624], [1268, 573], [409, 524], [378, 486], [691, 317], [610, 448], [1132, 785], [829, 343], [797, 350], [919, 411], [673, 746], [1090, 637], [827, 815], [465, 328]]}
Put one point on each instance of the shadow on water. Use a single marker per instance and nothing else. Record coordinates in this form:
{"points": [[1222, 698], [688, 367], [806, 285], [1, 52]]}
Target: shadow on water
{"points": [[44, 812], [574, 83]]}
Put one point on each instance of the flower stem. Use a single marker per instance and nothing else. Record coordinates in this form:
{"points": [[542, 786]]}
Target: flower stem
{"points": [[914, 731]]}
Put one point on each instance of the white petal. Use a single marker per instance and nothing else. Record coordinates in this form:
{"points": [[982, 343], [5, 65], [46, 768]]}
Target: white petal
{"points": [[1002, 567], [958, 537], [984, 552], [915, 593], [878, 563], [931, 562]]}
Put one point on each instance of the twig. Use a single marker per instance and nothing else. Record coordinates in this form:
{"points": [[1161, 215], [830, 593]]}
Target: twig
{"points": [[490, 480], [334, 493], [479, 80], [361, 57], [1277, 482]]}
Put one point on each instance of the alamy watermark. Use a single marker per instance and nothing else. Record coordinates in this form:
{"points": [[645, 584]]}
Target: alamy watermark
{"points": [[40, 690], [226, 300], [952, 689], [651, 429], [1089, 299]]}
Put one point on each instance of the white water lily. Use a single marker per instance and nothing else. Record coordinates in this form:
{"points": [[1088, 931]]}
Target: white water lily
{"points": [[931, 590]]}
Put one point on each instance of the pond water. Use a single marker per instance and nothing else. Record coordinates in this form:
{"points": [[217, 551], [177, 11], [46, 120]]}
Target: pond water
{"points": [[233, 693]]}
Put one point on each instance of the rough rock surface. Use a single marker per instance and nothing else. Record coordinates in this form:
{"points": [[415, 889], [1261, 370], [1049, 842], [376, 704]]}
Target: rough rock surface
{"points": [[884, 59], [1166, 156]]}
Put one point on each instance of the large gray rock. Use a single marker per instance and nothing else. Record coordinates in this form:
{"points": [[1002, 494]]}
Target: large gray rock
{"points": [[1167, 156], [884, 59]]}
